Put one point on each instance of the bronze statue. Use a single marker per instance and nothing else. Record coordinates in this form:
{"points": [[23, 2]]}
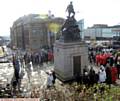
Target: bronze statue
{"points": [[70, 30], [70, 9]]}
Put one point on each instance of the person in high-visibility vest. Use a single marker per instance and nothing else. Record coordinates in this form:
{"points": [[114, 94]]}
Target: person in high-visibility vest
{"points": [[1, 52]]}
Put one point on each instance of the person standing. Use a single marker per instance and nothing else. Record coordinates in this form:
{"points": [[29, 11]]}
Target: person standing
{"points": [[111, 60], [102, 75], [54, 76], [85, 69], [114, 74], [16, 68], [86, 79], [17, 72], [117, 61], [108, 75], [92, 76], [49, 80]]}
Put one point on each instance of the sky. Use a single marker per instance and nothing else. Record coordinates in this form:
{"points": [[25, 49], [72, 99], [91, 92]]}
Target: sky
{"points": [[92, 11]]}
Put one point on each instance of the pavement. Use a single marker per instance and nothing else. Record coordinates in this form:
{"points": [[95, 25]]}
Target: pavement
{"points": [[35, 79], [6, 73]]}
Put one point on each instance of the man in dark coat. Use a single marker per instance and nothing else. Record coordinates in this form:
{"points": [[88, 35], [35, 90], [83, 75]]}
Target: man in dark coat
{"points": [[108, 76], [111, 60], [54, 76], [16, 68], [86, 78], [92, 76]]}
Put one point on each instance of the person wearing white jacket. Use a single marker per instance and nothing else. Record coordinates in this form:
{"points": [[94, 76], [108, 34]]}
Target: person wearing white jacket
{"points": [[102, 75], [49, 80]]}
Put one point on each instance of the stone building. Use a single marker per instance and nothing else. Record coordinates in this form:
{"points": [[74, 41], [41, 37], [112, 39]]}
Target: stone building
{"points": [[32, 32]]}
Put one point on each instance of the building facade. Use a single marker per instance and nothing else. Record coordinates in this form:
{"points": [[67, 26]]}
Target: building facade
{"points": [[31, 32], [101, 32]]}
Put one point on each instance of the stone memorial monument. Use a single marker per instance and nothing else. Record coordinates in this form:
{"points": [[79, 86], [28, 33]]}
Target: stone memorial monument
{"points": [[70, 52]]}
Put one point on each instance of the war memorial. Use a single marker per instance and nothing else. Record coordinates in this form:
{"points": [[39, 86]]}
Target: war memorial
{"points": [[70, 52]]}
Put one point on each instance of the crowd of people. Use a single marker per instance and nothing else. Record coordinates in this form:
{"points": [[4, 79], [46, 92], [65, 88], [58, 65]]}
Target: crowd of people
{"points": [[27, 62], [106, 74], [38, 58], [107, 63]]}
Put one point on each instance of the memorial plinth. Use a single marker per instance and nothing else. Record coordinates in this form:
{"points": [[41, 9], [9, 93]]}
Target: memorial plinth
{"points": [[70, 59]]}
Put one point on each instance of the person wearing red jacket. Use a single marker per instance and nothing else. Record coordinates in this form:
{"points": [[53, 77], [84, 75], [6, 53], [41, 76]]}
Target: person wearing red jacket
{"points": [[97, 59], [114, 73], [104, 60], [50, 56], [101, 59]]}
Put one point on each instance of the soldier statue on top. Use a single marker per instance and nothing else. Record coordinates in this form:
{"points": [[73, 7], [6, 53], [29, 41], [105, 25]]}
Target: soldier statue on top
{"points": [[70, 9], [70, 30]]}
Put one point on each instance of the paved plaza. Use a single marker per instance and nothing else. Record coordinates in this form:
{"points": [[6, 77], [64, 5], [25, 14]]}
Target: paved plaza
{"points": [[36, 78], [36, 81]]}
